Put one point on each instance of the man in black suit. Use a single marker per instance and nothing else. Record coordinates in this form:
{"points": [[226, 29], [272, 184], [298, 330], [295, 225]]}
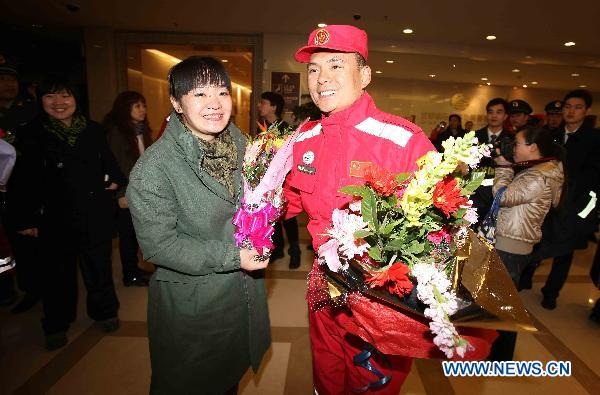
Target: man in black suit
{"points": [[569, 227], [497, 112]]}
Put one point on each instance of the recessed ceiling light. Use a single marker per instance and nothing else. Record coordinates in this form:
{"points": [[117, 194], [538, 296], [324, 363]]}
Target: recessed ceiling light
{"points": [[453, 66], [378, 71], [392, 46], [322, 25], [524, 85], [490, 37], [515, 70], [488, 83], [574, 74], [514, 87], [224, 60], [484, 78], [432, 75], [389, 61], [534, 82], [407, 31], [569, 44], [528, 57], [583, 86]]}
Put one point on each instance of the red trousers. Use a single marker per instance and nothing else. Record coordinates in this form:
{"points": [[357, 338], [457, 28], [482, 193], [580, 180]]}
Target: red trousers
{"points": [[333, 349]]}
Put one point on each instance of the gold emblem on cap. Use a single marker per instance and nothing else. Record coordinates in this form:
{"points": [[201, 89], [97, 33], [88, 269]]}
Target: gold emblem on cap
{"points": [[321, 37], [515, 104], [556, 104]]}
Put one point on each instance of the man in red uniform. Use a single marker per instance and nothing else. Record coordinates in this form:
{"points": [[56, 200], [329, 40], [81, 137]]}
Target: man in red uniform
{"points": [[328, 154]]}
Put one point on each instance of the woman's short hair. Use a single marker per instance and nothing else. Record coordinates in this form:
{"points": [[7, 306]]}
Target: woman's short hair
{"points": [[194, 72], [55, 84]]}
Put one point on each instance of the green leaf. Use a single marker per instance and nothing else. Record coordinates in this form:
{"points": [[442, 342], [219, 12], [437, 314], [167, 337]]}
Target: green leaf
{"points": [[388, 228], [355, 190], [375, 253], [474, 183], [460, 213], [394, 245], [369, 209], [415, 247], [400, 178], [362, 233]]}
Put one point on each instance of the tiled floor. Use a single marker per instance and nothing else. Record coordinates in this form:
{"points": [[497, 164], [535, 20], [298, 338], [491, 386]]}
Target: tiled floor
{"points": [[95, 363]]}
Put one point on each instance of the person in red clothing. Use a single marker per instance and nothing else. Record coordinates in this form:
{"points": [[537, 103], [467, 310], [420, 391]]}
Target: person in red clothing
{"points": [[328, 154]]}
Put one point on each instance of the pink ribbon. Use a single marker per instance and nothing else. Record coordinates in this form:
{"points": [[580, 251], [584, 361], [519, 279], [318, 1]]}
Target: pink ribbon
{"points": [[255, 226]]}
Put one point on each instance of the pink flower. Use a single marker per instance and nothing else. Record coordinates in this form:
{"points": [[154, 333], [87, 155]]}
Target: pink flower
{"points": [[329, 253], [439, 236]]}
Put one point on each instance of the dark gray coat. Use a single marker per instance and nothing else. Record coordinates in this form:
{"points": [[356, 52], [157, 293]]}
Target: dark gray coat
{"points": [[207, 319]]}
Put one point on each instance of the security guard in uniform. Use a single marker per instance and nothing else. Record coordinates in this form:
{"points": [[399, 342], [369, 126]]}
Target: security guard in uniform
{"points": [[554, 117], [519, 111]]}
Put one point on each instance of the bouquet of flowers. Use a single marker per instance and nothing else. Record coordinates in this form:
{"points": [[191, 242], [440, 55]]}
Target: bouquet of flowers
{"points": [[400, 237], [267, 160]]}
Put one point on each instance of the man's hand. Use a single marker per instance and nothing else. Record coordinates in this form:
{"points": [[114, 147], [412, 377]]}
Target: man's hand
{"points": [[112, 187], [123, 202], [249, 260], [32, 232]]}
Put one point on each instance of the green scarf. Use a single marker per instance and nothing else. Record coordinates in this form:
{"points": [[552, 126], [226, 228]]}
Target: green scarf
{"points": [[68, 134], [220, 159]]}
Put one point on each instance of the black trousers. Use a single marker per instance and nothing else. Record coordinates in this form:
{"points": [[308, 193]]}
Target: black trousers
{"points": [[291, 230], [558, 276], [128, 244], [503, 348], [59, 293], [26, 250]]}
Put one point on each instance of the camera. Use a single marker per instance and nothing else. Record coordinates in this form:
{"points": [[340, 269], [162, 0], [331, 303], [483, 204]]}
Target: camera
{"points": [[356, 17], [506, 146]]}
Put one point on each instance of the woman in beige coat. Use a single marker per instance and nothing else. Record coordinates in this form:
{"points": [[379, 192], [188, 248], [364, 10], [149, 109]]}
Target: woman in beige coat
{"points": [[525, 201]]}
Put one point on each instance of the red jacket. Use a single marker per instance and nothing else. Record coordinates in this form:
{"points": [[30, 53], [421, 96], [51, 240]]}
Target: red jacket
{"points": [[330, 153]]}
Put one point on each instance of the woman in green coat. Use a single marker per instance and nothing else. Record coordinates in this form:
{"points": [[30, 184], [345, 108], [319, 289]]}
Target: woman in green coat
{"points": [[207, 309]]}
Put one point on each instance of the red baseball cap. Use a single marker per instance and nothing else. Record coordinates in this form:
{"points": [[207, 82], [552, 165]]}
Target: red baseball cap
{"points": [[342, 38]]}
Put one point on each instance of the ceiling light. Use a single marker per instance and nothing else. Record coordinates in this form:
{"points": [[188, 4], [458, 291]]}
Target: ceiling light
{"points": [[488, 83], [453, 66], [224, 60], [432, 75], [574, 74], [378, 71], [515, 70], [484, 78], [407, 31], [389, 61], [583, 86], [322, 25], [534, 82], [569, 44], [514, 87], [524, 85], [528, 57], [490, 38]]}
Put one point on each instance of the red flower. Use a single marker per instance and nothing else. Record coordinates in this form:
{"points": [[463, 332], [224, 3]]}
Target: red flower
{"points": [[446, 196], [395, 279], [381, 180]]}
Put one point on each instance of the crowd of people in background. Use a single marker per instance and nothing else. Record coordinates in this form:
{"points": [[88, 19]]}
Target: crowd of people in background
{"points": [[66, 195]]}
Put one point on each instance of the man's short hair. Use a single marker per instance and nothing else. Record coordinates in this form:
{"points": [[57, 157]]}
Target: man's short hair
{"points": [[276, 100], [495, 102], [583, 94], [360, 60]]}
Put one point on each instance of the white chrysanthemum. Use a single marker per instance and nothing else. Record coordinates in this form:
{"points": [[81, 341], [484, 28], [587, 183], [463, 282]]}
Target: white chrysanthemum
{"points": [[343, 229]]}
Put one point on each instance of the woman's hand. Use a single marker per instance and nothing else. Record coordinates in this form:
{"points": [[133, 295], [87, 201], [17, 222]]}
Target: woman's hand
{"points": [[249, 260], [33, 232], [500, 160], [123, 202]]}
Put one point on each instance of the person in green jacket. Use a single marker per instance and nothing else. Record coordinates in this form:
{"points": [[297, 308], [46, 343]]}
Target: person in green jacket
{"points": [[207, 310]]}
